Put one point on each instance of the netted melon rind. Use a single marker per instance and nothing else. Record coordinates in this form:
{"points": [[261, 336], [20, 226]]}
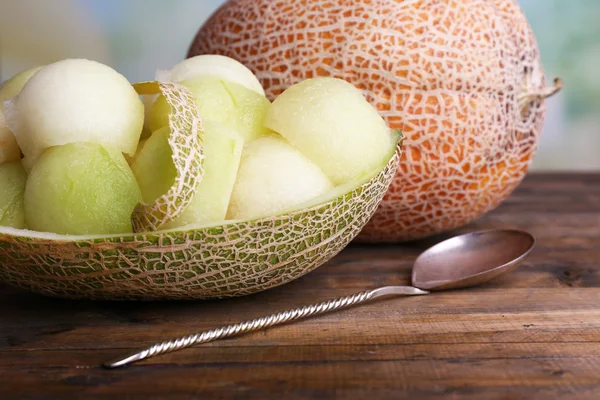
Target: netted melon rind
{"points": [[186, 142], [454, 76], [230, 260]]}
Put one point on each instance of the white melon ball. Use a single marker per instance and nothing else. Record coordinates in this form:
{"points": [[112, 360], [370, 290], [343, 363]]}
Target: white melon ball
{"points": [[76, 100], [9, 148], [273, 176], [212, 65], [330, 121]]}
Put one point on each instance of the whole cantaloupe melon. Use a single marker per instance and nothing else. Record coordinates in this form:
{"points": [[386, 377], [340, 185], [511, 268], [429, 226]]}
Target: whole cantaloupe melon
{"points": [[462, 79]]}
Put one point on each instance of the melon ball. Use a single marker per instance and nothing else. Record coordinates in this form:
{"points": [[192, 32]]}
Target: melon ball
{"points": [[153, 166], [274, 176], [12, 189], [250, 111], [81, 189], [155, 172], [236, 106], [212, 100], [9, 149], [331, 122], [76, 100], [222, 67]]}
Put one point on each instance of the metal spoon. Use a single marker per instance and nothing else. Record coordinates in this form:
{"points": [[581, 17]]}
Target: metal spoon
{"points": [[460, 262]]}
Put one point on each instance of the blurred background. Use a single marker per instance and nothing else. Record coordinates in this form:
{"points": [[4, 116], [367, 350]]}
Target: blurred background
{"points": [[138, 36]]}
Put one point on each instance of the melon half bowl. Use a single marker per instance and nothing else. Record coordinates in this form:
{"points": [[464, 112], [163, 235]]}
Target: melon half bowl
{"points": [[233, 258]]}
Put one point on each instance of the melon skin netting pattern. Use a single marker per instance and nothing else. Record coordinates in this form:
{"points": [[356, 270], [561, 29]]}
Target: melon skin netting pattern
{"points": [[461, 79]]}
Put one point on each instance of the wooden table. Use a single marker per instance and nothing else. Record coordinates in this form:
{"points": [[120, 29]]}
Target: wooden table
{"points": [[533, 334]]}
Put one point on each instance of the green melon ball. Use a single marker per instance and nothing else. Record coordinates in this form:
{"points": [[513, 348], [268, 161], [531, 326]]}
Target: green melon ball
{"points": [[81, 189], [274, 176], [76, 100], [331, 122], [9, 149], [250, 111], [12, 189], [232, 104], [153, 166], [212, 100], [156, 173], [222, 67]]}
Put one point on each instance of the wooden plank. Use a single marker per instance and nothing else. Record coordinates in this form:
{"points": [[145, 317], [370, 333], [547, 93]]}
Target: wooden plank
{"points": [[534, 334], [524, 378], [493, 315], [228, 353]]}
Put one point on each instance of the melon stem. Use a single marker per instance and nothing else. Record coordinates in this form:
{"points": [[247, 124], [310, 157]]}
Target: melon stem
{"points": [[552, 90], [536, 94], [543, 93]]}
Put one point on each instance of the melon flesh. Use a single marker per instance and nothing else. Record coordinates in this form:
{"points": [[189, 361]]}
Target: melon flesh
{"points": [[12, 189], [234, 105], [212, 101], [147, 101], [14, 85], [155, 172], [81, 189], [153, 167], [250, 111], [274, 176], [331, 122], [9, 149], [224, 68], [131, 159], [28, 163], [76, 101]]}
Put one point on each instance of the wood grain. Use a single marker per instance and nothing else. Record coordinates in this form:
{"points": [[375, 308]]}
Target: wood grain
{"points": [[532, 334]]}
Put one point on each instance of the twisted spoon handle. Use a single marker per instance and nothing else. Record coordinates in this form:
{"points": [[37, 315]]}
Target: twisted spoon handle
{"points": [[264, 322]]}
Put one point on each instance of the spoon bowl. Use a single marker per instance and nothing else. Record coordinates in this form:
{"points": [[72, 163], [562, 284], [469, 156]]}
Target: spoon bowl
{"points": [[471, 259]]}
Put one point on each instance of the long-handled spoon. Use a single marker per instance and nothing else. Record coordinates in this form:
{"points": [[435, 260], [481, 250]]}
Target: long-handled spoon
{"points": [[460, 262]]}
